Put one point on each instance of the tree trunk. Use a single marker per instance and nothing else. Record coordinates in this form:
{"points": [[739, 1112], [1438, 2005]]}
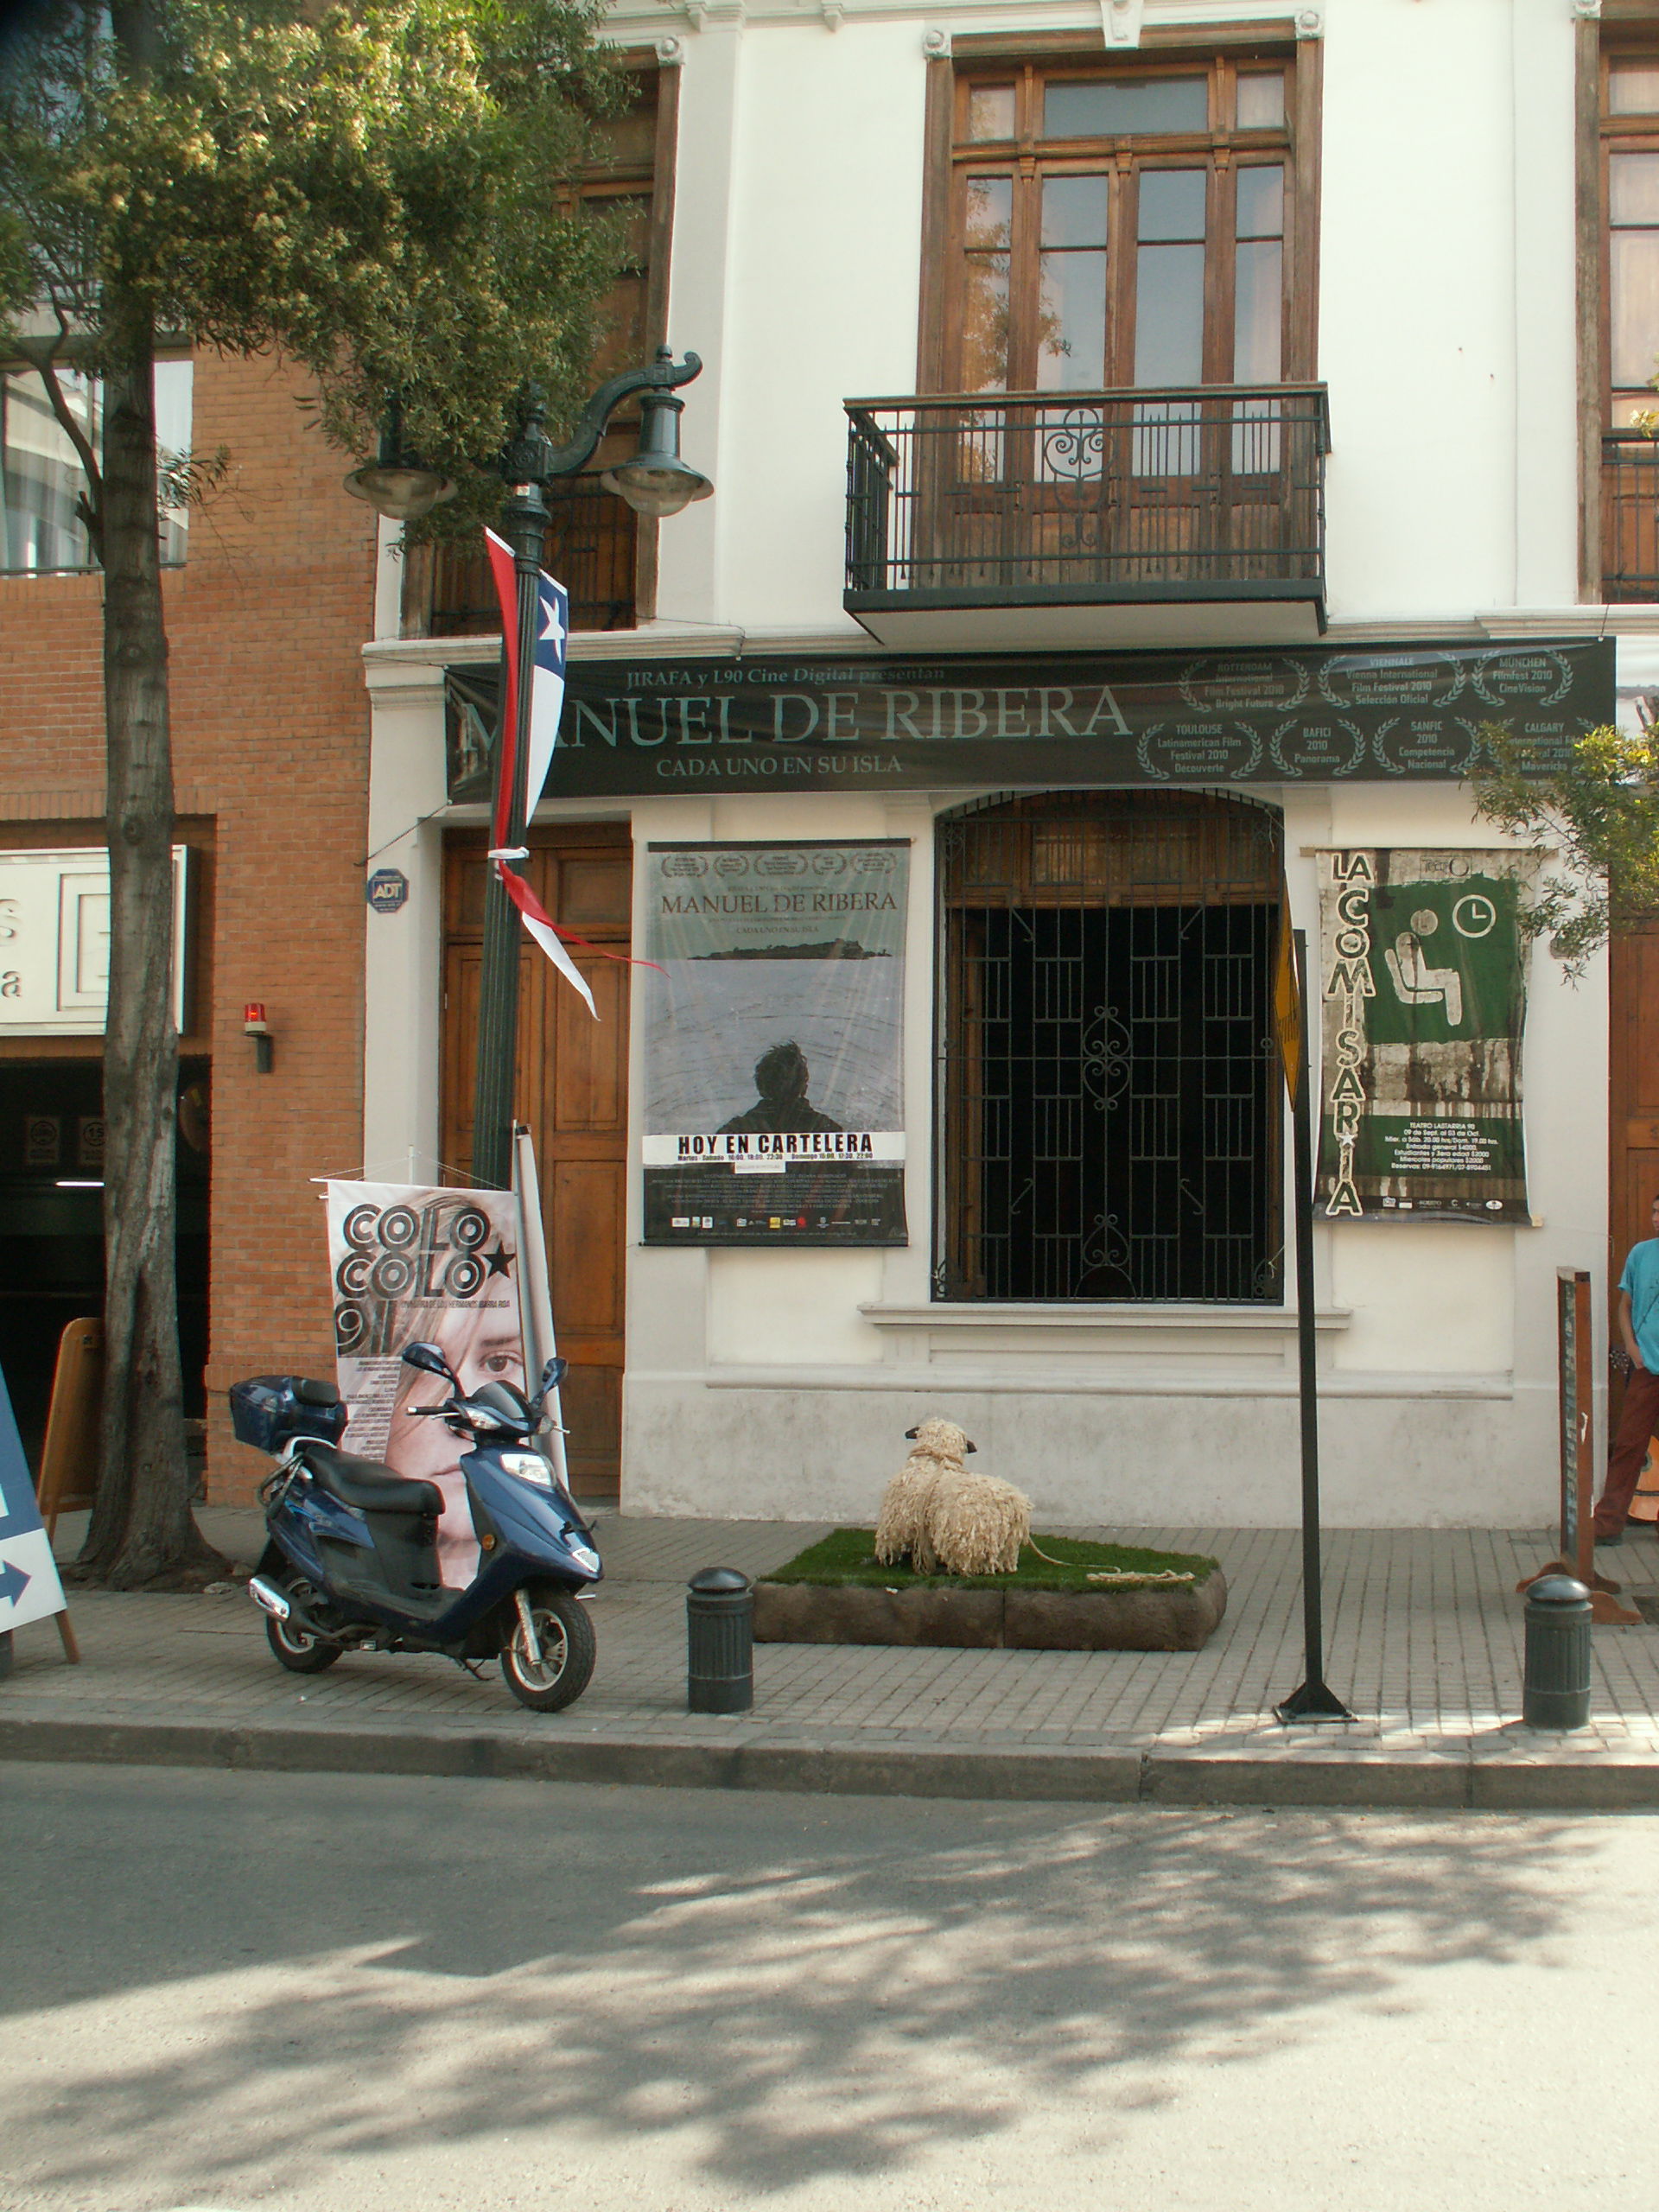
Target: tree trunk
{"points": [[142, 1533]]}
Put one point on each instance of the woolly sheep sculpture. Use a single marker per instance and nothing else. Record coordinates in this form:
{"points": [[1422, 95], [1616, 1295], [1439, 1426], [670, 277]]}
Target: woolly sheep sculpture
{"points": [[936, 1444], [975, 1525], [945, 1518]]}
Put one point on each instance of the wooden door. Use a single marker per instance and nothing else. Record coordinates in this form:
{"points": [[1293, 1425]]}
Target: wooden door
{"points": [[571, 1088], [1633, 1150]]}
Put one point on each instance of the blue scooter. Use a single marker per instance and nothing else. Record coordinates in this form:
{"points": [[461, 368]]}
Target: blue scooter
{"points": [[352, 1562]]}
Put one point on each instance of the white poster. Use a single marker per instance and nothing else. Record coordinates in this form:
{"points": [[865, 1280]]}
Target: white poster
{"points": [[773, 1049], [54, 940], [414, 1265]]}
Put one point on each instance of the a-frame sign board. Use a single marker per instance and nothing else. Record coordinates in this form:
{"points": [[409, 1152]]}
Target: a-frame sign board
{"points": [[29, 1588]]}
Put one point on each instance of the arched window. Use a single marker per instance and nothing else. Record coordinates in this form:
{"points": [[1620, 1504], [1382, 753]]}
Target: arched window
{"points": [[1110, 1093]]}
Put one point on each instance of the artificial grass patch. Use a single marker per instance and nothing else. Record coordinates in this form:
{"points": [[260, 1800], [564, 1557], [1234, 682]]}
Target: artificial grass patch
{"points": [[846, 1559]]}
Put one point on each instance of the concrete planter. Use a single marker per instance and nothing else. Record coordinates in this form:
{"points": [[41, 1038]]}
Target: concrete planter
{"points": [[1180, 1617]]}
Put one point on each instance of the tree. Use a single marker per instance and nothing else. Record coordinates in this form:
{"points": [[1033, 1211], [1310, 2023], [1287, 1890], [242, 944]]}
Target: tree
{"points": [[1597, 817], [373, 191]]}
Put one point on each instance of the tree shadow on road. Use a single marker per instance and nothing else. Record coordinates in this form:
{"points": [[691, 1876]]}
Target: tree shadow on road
{"points": [[817, 1987]]}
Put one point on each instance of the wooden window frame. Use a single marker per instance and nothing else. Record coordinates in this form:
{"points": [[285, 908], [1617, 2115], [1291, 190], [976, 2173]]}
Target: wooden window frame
{"points": [[1616, 134], [606, 181], [951, 158], [624, 180], [1628, 30]]}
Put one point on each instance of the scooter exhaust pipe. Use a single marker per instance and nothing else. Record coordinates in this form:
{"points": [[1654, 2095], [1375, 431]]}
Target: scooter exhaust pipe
{"points": [[269, 1598]]}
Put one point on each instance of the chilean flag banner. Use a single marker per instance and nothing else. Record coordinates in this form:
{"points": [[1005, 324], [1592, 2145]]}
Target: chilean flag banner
{"points": [[546, 704]]}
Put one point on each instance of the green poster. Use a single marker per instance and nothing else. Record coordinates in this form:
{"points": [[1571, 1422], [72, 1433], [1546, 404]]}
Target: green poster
{"points": [[1423, 1000]]}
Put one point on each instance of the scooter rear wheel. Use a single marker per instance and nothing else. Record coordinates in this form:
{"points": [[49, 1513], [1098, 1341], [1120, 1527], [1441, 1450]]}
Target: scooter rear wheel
{"points": [[566, 1668], [294, 1647]]}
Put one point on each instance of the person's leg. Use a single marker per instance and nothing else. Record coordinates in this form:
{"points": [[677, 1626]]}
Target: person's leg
{"points": [[1637, 1425]]}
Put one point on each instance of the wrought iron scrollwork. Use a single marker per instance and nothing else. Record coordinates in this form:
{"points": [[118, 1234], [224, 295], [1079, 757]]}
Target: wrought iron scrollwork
{"points": [[1105, 1247], [1106, 1053], [1074, 447]]}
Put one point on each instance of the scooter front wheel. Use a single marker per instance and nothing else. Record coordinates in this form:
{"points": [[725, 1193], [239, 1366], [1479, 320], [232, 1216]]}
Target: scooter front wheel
{"points": [[566, 1665], [295, 1648]]}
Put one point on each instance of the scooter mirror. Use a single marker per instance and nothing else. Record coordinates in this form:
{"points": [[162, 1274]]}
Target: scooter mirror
{"points": [[428, 1359], [554, 1373]]}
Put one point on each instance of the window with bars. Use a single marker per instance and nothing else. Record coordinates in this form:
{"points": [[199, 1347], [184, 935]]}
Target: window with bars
{"points": [[1111, 1103]]}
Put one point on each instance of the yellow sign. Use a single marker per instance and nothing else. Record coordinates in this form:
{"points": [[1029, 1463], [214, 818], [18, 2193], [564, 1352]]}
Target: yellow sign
{"points": [[1287, 1001]]}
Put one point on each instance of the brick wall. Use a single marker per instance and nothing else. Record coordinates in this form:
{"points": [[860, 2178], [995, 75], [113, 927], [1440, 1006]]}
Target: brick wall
{"points": [[265, 625]]}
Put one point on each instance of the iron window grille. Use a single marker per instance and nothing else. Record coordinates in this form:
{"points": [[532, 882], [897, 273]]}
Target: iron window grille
{"points": [[1108, 1088]]}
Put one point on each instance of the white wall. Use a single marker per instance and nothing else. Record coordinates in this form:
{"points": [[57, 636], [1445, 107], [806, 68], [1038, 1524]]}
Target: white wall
{"points": [[795, 272], [780, 1381], [1447, 322], [403, 980], [1415, 322], [773, 1382]]}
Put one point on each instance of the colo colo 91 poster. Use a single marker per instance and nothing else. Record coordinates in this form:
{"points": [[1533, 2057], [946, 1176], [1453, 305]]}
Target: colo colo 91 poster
{"points": [[774, 1022], [419, 1264]]}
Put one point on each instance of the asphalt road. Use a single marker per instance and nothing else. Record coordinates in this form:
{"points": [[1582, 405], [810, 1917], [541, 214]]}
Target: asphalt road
{"points": [[332, 1995]]}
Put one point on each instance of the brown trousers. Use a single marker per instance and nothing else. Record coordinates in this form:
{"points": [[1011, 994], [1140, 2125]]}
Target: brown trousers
{"points": [[1637, 1425]]}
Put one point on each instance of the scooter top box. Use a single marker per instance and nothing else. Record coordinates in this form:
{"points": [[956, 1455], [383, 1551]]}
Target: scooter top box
{"points": [[268, 1411]]}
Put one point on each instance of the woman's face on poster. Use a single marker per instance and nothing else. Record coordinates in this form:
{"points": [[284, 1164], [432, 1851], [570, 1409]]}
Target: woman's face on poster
{"points": [[483, 1344]]}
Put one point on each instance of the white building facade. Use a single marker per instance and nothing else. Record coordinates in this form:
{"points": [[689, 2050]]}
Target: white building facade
{"points": [[1226, 449]]}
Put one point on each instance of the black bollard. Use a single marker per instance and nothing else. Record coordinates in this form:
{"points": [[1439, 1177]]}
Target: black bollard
{"points": [[718, 1641], [5, 1653], [1556, 1692]]}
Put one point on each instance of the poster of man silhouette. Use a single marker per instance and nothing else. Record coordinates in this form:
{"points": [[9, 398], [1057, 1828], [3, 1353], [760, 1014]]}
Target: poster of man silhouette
{"points": [[1423, 988], [774, 1022]]}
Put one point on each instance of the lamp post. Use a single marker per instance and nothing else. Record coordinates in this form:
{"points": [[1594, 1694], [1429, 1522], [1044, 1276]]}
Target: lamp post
{"points": [[654, 481]]}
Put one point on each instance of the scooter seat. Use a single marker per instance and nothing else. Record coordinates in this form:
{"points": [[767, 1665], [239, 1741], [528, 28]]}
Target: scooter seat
{"points": [[367, 1484]]}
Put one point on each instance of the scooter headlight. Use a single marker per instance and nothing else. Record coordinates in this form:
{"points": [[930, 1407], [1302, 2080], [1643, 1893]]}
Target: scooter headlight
{"points": [[529, 1467], [584, 1555]]}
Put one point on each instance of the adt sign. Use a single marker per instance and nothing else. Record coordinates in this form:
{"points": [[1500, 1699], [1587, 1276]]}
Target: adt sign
{"points": [[29, 1588], [388, 890]]}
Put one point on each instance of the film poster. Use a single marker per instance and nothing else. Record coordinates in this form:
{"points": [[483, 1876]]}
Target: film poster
{"points": [[774, 1019], [414, 1265], [1423, 982]]}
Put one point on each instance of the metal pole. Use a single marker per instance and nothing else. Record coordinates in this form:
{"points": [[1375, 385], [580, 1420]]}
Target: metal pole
{"points": [[525, 524], [1314, 1700], [531, 462]]}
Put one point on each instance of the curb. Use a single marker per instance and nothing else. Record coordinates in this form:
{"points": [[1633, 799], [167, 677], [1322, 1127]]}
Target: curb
{"points": [[1428, 1782]]}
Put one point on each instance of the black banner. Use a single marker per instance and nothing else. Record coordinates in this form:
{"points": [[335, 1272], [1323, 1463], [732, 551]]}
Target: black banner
{"points": [[1300, 714]]}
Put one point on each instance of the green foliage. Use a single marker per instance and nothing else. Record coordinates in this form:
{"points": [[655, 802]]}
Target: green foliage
{"points": [[1597, 817], [373, 190], [845, 1560]]}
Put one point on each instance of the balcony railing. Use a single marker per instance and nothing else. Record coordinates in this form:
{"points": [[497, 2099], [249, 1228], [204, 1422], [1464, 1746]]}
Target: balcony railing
{"points": [[1027, 499], [1630, 519], [591, 547]]}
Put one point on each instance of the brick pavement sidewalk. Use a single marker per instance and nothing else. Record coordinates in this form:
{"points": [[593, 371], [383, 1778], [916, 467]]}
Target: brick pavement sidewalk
{"points": [[1423, 1636]]}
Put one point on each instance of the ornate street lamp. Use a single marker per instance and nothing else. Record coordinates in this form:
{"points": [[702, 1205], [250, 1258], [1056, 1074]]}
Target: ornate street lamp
{"points": [[654, 481], [394, 483]]}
